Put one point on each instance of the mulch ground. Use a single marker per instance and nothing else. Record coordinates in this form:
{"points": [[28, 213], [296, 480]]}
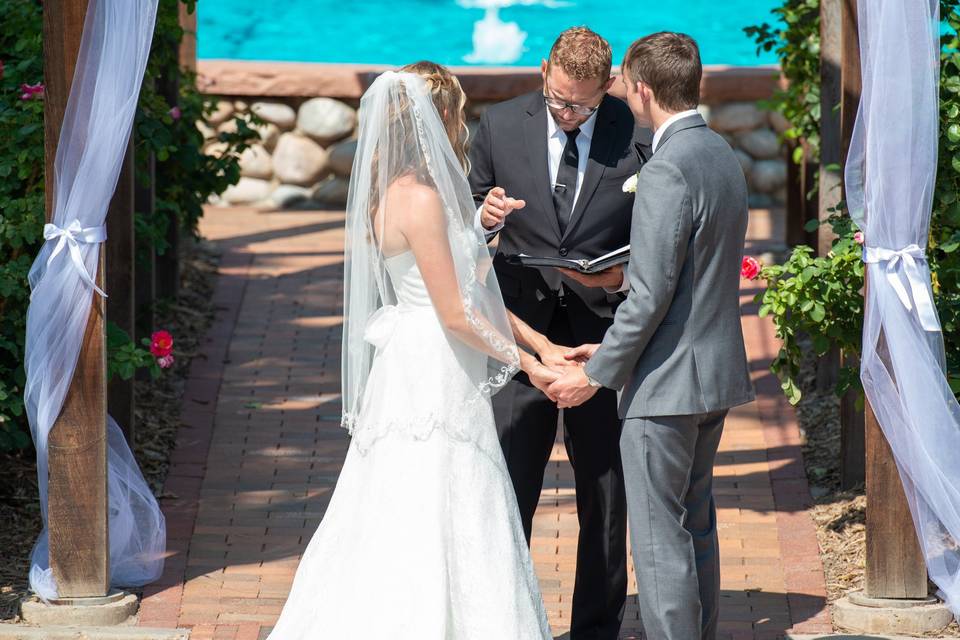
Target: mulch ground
{"points": [[157, 418]]}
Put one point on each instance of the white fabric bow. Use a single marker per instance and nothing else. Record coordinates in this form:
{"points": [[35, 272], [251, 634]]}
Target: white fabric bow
{"points": [[381, 326], [71, 237], [908, 256]]}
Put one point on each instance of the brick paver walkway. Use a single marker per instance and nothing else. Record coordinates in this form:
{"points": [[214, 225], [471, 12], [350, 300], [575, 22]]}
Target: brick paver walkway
{"points": [[260, 450]]}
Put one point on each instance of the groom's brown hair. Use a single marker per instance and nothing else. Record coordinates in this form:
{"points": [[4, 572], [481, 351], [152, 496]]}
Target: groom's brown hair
{"points": [[669, 63]]}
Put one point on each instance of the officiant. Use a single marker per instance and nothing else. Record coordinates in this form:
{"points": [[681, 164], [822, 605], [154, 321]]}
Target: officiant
{"points": [[548, 170]]}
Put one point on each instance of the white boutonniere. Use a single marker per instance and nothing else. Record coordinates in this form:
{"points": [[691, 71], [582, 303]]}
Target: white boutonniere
{"points": [[630, 184]]}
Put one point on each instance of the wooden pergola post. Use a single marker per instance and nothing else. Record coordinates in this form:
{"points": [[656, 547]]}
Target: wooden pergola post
{"points": [[121, 285], [833, 134], [77, 500], [895, 567]]}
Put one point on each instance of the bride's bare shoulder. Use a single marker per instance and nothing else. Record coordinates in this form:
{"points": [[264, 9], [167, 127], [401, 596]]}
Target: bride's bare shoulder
{"points": [[412, 200]]}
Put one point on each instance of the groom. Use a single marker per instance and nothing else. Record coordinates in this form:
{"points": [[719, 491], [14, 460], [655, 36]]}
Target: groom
{"points": [[547, 173], [675, 347]]}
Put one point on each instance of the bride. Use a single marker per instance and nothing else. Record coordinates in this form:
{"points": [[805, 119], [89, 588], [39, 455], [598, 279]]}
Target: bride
{"points": [[422, 537]]}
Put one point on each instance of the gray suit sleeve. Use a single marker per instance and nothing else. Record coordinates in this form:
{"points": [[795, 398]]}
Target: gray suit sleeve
{"points": [[659, 234]]}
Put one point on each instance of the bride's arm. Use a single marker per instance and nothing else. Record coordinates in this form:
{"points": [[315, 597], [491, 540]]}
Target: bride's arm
{"points": [[552, 355], [424, 225]]}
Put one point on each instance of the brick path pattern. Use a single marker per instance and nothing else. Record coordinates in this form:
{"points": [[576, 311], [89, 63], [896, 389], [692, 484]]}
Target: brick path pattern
{"points": [[260, 449]]}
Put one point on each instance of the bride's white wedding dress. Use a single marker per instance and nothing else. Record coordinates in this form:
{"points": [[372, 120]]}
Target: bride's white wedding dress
{"points": [[422, 537]]}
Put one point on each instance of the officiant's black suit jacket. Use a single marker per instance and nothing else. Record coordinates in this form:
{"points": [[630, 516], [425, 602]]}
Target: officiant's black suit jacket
{"points": [[510, 151]]}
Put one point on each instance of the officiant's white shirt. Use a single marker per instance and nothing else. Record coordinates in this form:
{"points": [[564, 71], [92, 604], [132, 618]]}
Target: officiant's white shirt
{"points": [[557, 140]]}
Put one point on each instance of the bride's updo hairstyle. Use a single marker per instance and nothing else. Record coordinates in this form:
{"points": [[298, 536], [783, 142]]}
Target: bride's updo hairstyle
{"points": [[450, 100]]}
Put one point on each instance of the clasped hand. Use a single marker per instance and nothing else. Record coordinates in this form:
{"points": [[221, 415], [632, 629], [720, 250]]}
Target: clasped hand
{"points": [[560, 375]]}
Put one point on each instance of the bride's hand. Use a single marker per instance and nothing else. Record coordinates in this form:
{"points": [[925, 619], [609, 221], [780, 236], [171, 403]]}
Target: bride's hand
{"points": [[542, 377], [554, 356]]}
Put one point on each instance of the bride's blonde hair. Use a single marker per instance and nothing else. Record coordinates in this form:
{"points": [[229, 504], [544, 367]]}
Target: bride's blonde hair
{"points": [[450, 101]]}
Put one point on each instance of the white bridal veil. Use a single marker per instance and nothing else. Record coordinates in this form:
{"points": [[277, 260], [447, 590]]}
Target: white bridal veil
{"points": [[890, 178], [402, 135], [97, 125]]}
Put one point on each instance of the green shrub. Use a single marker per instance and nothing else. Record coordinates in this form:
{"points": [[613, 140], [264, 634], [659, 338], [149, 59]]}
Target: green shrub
{"points": [[185, 178], [820, 297]]}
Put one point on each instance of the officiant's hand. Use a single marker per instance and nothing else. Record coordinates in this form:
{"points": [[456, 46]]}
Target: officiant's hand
{"points": [[572, 389], [610, 278], [497, 206], [582, 353]]}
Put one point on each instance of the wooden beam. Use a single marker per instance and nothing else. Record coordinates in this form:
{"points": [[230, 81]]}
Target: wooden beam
{"points": [[168, 264], [832, 147], [800, 208], [77, 500], [121, 279], [188, 45], [146, 259], [830, 135], [853, 455], [894, 565]]}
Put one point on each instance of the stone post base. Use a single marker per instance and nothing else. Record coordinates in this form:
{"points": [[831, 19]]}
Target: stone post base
{"points": [[115, 608], [858, 613]]}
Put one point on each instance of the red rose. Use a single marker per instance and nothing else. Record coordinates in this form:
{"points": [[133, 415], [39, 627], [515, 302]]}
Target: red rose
{"points": [[750, 268], [31, 91], [161, 344]]}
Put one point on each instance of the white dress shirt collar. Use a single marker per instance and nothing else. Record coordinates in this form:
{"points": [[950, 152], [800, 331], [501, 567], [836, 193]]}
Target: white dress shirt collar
{"points": [[586, 129], [662, 128]]}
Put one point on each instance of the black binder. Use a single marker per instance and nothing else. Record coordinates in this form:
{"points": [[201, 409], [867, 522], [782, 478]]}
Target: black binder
{"points": [[583, 265]]}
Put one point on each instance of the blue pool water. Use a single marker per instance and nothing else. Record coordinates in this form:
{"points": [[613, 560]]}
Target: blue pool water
{"points": [[459, 32]]}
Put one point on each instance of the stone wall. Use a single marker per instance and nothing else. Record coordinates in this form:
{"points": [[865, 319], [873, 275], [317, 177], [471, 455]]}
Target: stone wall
{"points": [[304, 155], [307, 141]]}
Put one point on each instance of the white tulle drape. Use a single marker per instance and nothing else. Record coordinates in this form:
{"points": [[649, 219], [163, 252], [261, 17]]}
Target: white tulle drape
{"points": [[96, 127], [890, 179]]}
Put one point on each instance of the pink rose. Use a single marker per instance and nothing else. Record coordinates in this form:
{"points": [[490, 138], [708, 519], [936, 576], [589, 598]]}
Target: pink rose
{"points": [[31, 91], [858, 237], [750, 268], [161, 344], [175, 113], [166, 361]]}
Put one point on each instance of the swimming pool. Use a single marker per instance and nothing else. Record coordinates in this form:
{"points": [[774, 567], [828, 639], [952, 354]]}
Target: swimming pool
{"points": [[463, 32]]}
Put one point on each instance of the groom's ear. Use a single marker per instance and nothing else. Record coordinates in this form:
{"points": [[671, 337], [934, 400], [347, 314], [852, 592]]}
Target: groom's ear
{"points": [[606, 89]]}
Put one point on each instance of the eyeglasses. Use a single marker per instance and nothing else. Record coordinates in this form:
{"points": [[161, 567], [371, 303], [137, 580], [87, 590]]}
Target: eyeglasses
{"points": [[560, 105]]}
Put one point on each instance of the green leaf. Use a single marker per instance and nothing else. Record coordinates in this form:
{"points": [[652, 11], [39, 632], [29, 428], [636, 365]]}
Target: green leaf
{"points": [[818, 313], [953, 132]]}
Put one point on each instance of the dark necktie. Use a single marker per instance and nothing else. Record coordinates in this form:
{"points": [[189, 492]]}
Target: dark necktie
{"points": [[565, 187]]}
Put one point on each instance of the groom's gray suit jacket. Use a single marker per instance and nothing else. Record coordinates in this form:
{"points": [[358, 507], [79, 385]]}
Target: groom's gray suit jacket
{"points": [[676, 346]]}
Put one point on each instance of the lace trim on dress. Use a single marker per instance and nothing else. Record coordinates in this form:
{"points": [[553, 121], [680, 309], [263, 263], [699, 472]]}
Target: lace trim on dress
{"points": [[366, 434]]}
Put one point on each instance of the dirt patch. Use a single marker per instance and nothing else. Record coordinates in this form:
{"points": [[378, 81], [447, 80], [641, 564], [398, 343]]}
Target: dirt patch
{"points": [[157, 414]]}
